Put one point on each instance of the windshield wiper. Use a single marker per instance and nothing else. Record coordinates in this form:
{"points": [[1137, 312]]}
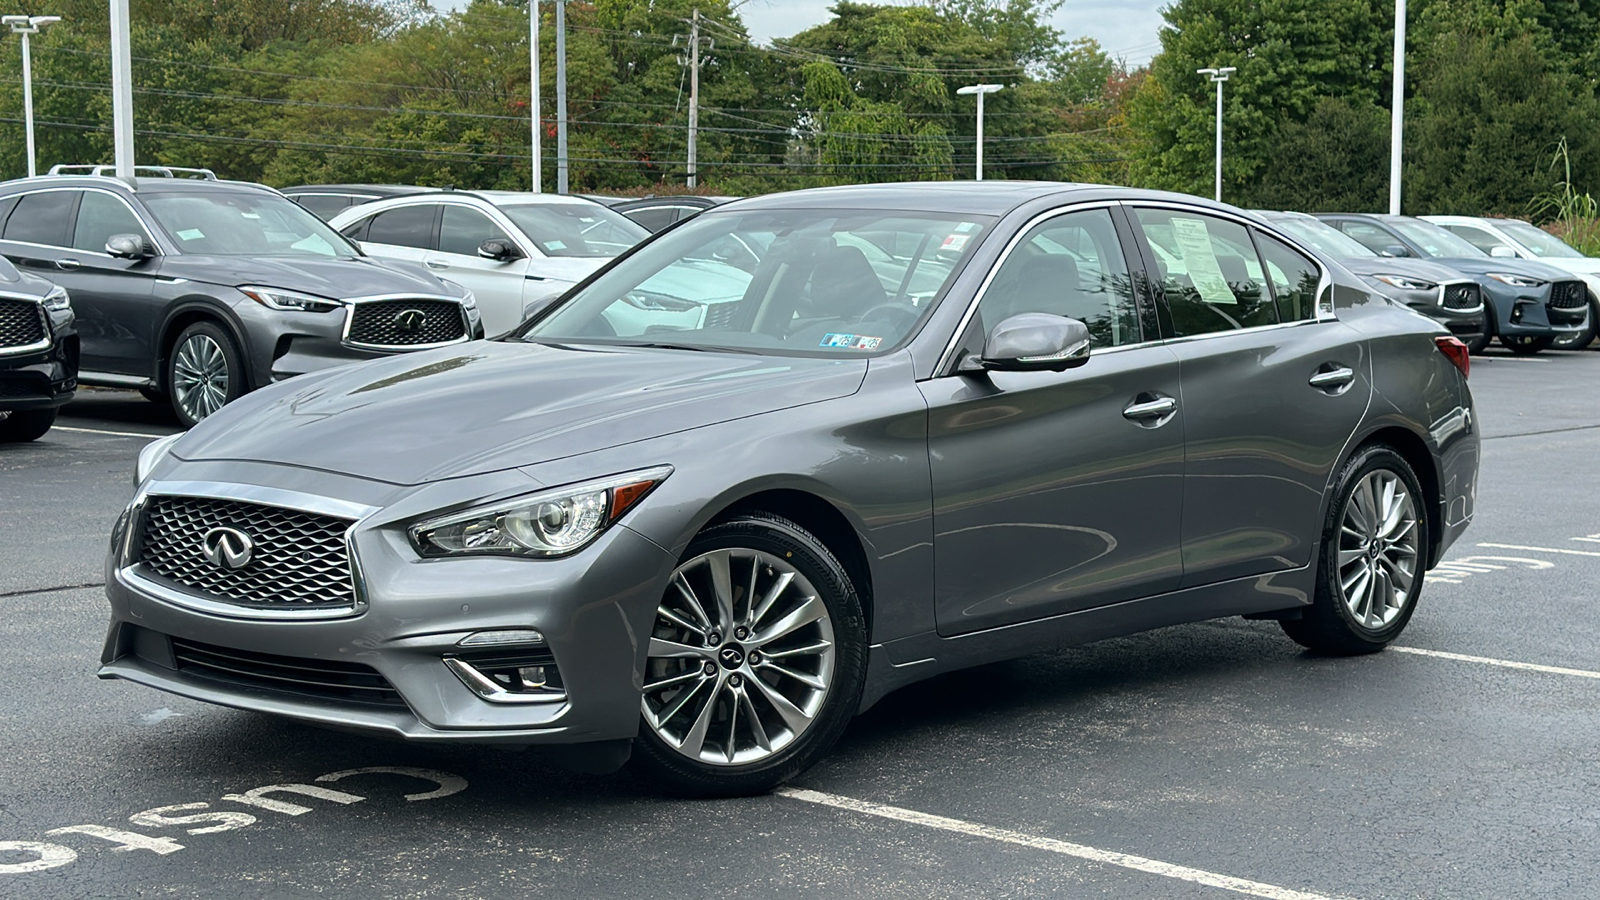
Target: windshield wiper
{"points": [[700, 348]]}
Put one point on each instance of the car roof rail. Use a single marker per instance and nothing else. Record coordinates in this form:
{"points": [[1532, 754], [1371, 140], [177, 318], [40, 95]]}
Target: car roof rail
{"points": [[157, 171]]}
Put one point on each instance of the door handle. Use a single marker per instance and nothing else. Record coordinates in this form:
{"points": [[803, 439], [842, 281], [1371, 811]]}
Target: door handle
{"points": [[1152, 409], [437, 264], [1332, 378], [67, 265]]}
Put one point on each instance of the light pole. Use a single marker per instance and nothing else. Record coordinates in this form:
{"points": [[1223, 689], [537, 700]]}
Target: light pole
{"points": [[980, 90], [533, 86], [1396, 118], [1218, 76], [26, 26]]}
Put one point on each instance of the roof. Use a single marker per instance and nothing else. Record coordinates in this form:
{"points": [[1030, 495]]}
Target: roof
{"points": [[994, 198], [154, 185], [377, 190]]}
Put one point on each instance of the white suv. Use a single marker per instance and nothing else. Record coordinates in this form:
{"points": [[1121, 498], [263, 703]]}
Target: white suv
{"points": [[510, 249]]}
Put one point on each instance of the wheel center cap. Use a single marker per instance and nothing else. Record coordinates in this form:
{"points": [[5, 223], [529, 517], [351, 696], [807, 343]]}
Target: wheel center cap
{"points": [[1375, 550], [730, 656]]}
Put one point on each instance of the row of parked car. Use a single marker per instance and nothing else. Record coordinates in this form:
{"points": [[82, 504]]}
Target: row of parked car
{"points": [[194, 290]]}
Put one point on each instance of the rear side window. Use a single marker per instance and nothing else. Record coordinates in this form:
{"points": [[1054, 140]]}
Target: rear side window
{"points": [[100, 216], [42, 218], [1208, 271], [407, 226], [1293, 277], [1477, 237], [323, 206], [1375, 239], [654, 218]]}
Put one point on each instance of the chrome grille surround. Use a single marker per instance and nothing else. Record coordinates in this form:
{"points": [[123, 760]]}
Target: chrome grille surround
{"points": [[160, 552], [22, 326], [1461, 296], [371, 323], [1568, 295]]}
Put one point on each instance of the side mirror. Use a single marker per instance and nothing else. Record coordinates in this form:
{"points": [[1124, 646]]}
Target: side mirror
{"points": [[1396, 250], [1502, 252], [1033, 342], [498, 250], [129, 246]]}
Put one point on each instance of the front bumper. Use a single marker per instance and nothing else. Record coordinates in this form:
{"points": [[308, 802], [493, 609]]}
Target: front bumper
{"points": [[45, 378], [595, 610], [282, 344]]}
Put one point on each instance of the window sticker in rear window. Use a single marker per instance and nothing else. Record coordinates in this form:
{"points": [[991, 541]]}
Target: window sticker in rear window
{"points": [[1200, 261]]}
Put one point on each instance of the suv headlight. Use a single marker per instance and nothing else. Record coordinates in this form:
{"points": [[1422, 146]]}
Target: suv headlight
{"points": [[152, 453], [57, 300], [548, 524], [1404, 283], [1521, 281], [289, 301]]}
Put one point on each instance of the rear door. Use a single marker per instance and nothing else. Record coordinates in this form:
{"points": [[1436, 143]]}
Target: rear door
{"points": [[498, 285], [1272, 389], [1057, 491]]}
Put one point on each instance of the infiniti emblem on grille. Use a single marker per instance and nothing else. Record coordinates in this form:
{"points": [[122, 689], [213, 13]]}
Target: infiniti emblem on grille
{"points": [[228, 548], [410, 320]]}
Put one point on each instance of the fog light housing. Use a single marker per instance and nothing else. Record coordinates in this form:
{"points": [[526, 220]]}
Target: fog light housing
{"points": [[528, 677]]}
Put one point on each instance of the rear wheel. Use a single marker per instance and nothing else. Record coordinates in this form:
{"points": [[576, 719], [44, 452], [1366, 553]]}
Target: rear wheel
{"points": [[204, 372], [1373, 558], [1526, 345], [23, 425], [755, 664]]}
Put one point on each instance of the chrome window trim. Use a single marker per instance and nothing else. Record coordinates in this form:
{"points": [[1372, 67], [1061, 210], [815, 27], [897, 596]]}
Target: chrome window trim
{"points": [[54, 189], [44, 320], [350, 303], [129, 569]]}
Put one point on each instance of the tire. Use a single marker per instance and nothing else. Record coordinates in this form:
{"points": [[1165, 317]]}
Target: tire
{"points": [[205, 371], [23, 425], [703, 731], [1526, 345], [1348, 621], [155, 396], [1580, 340]]}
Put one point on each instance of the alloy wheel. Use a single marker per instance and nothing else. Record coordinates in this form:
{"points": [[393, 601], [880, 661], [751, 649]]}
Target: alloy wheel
{"points": [[741, 658], [200, 376], [1378, 549]]}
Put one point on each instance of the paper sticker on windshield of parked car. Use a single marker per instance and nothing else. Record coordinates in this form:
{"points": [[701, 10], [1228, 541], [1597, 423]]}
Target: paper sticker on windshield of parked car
{"points": [[851, 341], [955, 243], [1200, 260]]}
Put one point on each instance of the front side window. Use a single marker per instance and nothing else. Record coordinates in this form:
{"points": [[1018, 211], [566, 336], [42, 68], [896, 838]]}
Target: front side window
{"points": [[1435, 241], [404, 226], [462, 229], [41, 218], [803, 282], [100, 217], [1372, 237], [1071, 266], [1477, 237], [1319, 235], [575, 229], [1208, 272], [244, 224]]}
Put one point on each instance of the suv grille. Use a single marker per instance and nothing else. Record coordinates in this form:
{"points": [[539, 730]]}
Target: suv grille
{"points": [[323, 679], [399, 324], [21, 323], [1568, 295], [23, 385], [299, 559], [1463, 296]]}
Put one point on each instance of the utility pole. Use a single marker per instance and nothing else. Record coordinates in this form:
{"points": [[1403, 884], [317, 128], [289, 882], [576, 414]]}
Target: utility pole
{"points": [[1218, 76], [121, 89], [27, 26], [1397, 117], [533, 87], [561, 96], [694, 94]]}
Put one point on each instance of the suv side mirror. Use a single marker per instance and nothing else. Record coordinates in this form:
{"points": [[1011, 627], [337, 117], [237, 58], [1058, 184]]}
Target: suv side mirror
{"points": [[129, 246], [498, 250], [1033, 342], [1502, 252], [1396, 250]]}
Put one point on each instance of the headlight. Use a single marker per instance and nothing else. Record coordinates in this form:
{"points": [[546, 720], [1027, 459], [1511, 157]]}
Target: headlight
{"points": [[1404, 283], [1521, 281], [153, 453], [57, 300], [657, 302], [548, 524], [289, 301]]}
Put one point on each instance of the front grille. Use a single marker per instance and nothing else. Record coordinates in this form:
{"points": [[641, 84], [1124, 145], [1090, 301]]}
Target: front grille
{"points": [[21, 323], [399, 324], [1568, 295], [1463, 296], [720, 316], [323, 679], [299, 559]]}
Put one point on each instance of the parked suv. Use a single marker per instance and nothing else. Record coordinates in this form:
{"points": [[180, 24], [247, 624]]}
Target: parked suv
{"points": [[513, 250], [196, 290], [38, 354], [328, 200], [1532, 304]]}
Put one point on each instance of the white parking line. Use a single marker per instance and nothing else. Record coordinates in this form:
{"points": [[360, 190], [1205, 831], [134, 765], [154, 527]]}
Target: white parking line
{"points": [[1092, 854], [1542, 549], [148, 437], [1502, 663]]}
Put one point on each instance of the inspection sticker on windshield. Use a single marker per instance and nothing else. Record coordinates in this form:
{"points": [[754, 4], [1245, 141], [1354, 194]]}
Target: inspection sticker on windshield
{"points": [[851, 341], [191, 234]]}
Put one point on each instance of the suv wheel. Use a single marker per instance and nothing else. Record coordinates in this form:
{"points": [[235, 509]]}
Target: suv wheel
{"points": [[23, 425], [756, 662], [204, 372]]}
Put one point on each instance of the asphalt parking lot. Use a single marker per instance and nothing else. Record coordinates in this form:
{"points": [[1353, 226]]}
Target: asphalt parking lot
{"points": [[1209, 760]]}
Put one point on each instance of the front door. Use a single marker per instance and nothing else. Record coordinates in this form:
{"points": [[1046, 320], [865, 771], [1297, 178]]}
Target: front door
{"points": [[1057, 491], [498, 285]]}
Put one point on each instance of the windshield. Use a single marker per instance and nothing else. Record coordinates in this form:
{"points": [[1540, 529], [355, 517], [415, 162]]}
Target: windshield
{"points": [[793, 282], [586, 229], [1321, 236], [246, 223], [1435, 241], [1538, 241]]}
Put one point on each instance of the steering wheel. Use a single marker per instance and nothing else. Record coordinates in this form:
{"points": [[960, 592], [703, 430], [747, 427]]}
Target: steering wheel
{"points": [[893, 310]]}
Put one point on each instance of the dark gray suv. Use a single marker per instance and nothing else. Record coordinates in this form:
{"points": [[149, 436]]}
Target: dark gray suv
{"points": [[38, 354], [196, 290]]}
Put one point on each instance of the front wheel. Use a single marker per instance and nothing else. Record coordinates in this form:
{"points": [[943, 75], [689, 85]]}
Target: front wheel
{"points": [[205, 372], [756, 661], [1373, 558], [1526, 345], [20, 426]]}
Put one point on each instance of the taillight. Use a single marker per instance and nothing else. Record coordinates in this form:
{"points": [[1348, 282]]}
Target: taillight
{"points": [[1456, 352]]}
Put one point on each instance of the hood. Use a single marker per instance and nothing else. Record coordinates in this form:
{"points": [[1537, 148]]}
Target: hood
{"points": [[487, 406], [1578, 265], [1483, 265], [336, 279], [1425, 270]]}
